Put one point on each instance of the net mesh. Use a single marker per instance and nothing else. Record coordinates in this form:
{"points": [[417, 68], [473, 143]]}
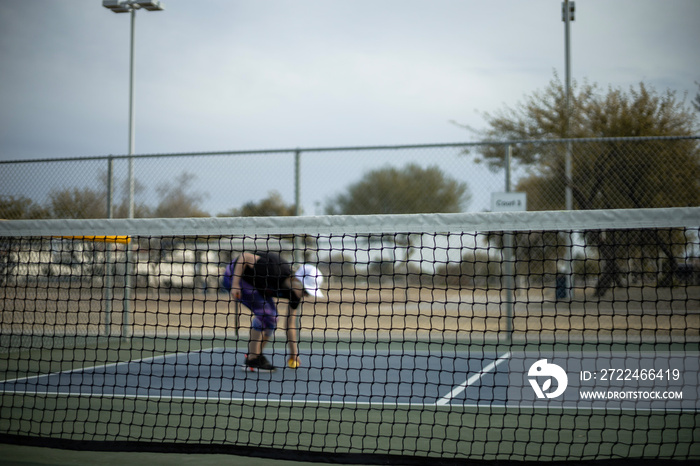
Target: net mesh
{"points": [[515, 336]]}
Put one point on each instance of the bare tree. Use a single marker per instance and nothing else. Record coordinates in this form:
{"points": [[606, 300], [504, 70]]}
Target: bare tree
{"points": [[177, 199], [78, 203], [605, 175], [21, 207]]}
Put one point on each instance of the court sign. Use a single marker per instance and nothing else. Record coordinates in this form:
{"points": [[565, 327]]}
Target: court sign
{"points": [[508, 202]]}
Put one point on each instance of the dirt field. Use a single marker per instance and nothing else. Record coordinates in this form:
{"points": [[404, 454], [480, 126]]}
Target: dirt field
{"points": [[646, 314]]}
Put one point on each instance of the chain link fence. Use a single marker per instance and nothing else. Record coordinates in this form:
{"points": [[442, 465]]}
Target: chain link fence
{"points": [[604, 174], [619, 173]]}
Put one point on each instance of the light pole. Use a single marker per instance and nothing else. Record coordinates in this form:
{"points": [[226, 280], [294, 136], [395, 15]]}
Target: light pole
{"points": [[130, 6], [567, 11]]}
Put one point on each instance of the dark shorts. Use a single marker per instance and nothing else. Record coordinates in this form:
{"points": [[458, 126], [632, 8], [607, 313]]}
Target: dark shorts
{"points": [[262, 305]]}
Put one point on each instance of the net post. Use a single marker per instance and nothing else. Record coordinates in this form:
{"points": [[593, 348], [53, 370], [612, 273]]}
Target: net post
{"points": [[509, 283], [107, 293], [568, 271], [126, 303]]}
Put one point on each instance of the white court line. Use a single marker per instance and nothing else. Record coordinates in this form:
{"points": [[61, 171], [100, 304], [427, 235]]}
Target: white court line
{"points": [[474, 378], [350, 404], [113, 364]]}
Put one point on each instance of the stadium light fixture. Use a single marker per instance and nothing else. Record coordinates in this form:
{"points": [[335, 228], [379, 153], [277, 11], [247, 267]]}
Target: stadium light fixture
{"points": [[130, 6], [151, 5], [125, 6], [117, 6]]}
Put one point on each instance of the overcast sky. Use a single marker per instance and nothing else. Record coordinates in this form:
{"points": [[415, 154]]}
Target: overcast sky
{"points": [[245, 74]]}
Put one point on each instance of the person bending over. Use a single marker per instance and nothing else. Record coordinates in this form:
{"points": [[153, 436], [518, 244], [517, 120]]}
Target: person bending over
{"points": [[256, 280]]}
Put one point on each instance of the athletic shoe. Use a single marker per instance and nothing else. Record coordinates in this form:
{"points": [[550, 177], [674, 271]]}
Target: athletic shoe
{"points": [[259, 364]]}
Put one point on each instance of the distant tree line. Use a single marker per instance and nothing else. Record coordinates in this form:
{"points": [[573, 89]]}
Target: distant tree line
{"points": [[411, 189], [175, 199]]}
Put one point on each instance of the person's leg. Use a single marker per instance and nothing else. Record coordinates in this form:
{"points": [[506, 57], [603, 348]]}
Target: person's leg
{"points": [[255, 345], [258, 340], [292, 335], [264, 324], [255, 301]]}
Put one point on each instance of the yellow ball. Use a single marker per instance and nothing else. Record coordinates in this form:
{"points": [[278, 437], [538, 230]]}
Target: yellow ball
{"points": [[293, 363]]}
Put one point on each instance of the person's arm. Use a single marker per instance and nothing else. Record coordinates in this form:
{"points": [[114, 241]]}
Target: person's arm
{"points": [[244, 260]]}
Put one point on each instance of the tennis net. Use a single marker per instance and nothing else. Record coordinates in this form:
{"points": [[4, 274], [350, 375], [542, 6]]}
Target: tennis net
{"points": [[496, 336]]}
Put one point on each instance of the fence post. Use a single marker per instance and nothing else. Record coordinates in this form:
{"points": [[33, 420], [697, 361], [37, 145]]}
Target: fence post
{"points": [[129, 255], [110, 187], [298, 252], [567, 283], [126, 303], [297, 182], [108, 279], [508, 258]]}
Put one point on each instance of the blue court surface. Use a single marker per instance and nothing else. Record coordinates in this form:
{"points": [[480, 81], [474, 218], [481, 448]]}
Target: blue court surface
{"points": [[662, 381]]}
